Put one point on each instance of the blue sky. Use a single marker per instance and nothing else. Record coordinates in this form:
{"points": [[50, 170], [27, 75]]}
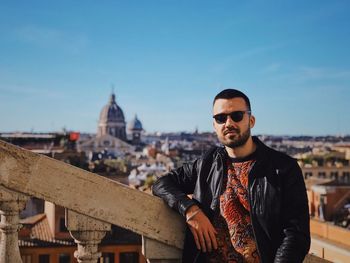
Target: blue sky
{"points": [[168, 59]]}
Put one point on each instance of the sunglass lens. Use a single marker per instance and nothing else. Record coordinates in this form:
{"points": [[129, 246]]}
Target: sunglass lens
{"points": [[237, 116], [220, 118]]}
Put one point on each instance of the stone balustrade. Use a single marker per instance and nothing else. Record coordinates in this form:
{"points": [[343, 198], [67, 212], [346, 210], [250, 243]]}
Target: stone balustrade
{"points": [[11, 204], [93, 203]]}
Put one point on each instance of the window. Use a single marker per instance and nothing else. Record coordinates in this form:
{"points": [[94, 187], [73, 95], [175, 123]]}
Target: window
{"points": [[334, 175], [308, 174], [322, 175], [107, 258], [64, 258], [44, 258], [129, 257], [63, 225], [346, 177], [322, 206]]}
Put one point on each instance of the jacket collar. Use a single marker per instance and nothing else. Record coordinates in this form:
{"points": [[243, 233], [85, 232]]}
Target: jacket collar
{"points": [[261, 149]]}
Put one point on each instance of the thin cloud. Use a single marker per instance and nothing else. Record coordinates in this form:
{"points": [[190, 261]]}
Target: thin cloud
{"points": [[304, 74], [45, 37], [254, 52], [323, 73], [271, 68], [30, 92], [327, 11], [243, 55]]}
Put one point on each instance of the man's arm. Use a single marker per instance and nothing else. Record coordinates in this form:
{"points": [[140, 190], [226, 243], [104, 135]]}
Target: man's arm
{"points": [[295, 218], [173, 188]]}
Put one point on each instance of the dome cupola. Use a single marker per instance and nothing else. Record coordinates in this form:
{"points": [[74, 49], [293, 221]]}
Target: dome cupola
{"points": [[112, 120], [112, 112], [135, 125]]}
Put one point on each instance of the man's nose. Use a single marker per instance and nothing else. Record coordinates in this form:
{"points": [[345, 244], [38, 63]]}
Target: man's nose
{"points": [[229, 122]]}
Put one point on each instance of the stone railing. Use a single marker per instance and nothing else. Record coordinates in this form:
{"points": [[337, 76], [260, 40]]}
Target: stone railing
{"points": [[93, 203]]}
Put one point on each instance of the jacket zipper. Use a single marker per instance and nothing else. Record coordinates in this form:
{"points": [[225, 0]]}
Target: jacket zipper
{"points": [[224, 171], [196, 258]]}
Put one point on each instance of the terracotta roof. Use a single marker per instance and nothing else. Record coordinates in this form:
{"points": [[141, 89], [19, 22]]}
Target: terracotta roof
{"points": [[39, 233], [38, 227], [41, 230], [32, 219]]}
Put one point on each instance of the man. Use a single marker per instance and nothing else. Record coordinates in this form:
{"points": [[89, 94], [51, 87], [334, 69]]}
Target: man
{"points": [[249, 202]]}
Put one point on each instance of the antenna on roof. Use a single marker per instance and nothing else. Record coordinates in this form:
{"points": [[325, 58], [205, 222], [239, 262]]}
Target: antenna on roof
{"points": [[112, 87]]}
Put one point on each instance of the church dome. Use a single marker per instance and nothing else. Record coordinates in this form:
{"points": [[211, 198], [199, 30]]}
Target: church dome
{"points": [[111, 112], [135, 124]]}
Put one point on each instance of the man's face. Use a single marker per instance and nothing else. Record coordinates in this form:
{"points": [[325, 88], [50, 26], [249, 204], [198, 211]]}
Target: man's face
{"points": [[232, 133]]}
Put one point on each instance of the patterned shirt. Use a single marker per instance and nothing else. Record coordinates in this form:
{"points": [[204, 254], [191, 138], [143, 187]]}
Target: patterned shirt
{"points": [[235, 235]]}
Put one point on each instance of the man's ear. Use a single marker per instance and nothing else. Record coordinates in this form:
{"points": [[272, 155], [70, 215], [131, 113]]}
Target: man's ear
{"points": [[252, 121]]}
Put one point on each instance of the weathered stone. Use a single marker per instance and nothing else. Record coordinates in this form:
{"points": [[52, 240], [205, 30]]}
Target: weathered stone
{"points": [[11, 204], [87, 233], [89, 194], [313, 259], [156, 251]]}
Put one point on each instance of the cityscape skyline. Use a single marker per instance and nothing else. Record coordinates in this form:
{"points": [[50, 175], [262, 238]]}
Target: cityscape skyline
{"points": [[168, 59]]}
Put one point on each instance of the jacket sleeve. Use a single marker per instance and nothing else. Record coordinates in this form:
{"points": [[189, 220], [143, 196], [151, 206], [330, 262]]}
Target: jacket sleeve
{"points": [[174, 186], [295, 218]]}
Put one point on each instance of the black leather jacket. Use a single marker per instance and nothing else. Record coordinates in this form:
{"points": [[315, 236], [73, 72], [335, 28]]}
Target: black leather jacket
{"points": [[277, 196]]}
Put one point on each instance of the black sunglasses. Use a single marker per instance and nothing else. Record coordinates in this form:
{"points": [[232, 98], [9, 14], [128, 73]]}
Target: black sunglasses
{"points": [[236, 116]]}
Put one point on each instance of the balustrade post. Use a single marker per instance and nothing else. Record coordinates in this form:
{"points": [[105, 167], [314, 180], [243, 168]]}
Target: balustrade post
{"points": [[157, 252], [11, 204], [87, 233]]}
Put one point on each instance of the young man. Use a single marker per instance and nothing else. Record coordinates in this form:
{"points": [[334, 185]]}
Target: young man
{"points": [[249, 202]]}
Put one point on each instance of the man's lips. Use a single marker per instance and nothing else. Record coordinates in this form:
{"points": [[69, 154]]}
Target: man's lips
{"points": [[230, 132]]}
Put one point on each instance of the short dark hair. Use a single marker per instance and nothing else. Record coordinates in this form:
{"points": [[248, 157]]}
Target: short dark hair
{"points": [[232, 93]]}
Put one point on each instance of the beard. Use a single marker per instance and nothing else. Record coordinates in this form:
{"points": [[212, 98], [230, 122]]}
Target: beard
{"points": [[237, 140]]}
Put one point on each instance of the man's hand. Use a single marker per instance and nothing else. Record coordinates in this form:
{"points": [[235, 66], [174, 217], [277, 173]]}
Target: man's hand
{"points": [[202, 229]]}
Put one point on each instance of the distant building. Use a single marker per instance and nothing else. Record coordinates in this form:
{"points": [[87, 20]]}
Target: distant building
{"points": [[333, 172], [135, 128], [329, 207], [327, 198], [41, 142], [344, 148], [111, 137], [96, 145], [112, 120]]}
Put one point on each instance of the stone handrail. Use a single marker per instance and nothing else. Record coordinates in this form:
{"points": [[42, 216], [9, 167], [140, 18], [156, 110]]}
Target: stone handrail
{"points": [[89, 194], [94, 196]]}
